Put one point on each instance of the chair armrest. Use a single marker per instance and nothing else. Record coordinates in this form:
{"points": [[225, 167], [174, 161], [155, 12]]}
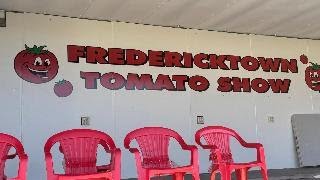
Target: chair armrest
{"points": [[60, 149], [208, 146], [214, 149], [194, 153], [258, 146], [116, 158], [134, 150], [49, 164], [115, 161], [252, 145], [189, 147], [12, 156], [248, 145], [23, 165], [137, 156], [116, 151]]}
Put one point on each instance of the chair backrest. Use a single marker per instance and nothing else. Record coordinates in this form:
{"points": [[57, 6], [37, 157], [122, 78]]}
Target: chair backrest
{"points": [[153, 143], [79, 147], [219, 137], [6, 142]]}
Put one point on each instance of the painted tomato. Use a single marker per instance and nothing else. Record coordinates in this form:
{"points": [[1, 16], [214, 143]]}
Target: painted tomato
{"points": [[63, 88], [304, 59], [36, 65], [312, 77]]}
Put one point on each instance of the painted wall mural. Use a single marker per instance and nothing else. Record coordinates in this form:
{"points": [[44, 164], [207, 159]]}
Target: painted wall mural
{"points": [[63, 88], [36, 65], [312, 76]]}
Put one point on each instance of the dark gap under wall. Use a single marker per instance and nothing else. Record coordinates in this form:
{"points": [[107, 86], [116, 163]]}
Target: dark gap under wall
{"points": [[2, 18]]}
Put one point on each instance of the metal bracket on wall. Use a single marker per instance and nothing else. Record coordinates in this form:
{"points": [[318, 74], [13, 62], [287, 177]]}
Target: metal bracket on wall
{"points": [[2, 18]]}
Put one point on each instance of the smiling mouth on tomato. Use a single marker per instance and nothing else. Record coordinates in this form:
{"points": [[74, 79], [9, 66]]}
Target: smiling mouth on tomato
{"points": [[39, 73], [315, 83]]}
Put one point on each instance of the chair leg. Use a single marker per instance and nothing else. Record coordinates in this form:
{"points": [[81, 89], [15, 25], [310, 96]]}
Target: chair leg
{"points": [[147, 177], [264, 173], [144, 176], [242, 174], [238, 174], [225, 174], [178, 176], [213, 175], [195, 176], [157, 177], [116, 176]]}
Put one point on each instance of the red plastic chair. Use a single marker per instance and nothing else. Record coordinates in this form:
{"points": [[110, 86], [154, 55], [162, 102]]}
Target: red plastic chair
{"points": [[79, 147], [6, 143], [153, 160], [217, 140]]}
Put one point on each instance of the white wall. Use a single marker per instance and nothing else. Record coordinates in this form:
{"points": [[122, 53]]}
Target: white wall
{"points": [[32, 112]]}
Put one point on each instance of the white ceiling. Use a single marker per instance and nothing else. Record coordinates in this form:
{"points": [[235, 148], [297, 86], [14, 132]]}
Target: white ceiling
{"points": [[290, 18]]}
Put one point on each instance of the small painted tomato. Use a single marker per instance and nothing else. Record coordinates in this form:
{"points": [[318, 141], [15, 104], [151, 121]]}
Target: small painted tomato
{"points": [[304, 59], [63, 88]]}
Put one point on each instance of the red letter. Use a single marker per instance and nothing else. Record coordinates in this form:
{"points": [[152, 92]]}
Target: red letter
{"points": [[188, 60], [164, 82], [199, 83], [143, 82], [279, 85], [234, 60], [216, 62], [90, 79], [113, 81], [96, 54], [74, 52], [250, 63], [239, 84], [172, 59], [180, 81], [224, 84], [269, 63], [116, 56], [260, 85], [155, 58], [198, 61], [136, 57], [286, 65]]}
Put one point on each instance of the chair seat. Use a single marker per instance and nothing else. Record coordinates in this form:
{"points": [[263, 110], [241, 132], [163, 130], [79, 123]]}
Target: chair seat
{"points": [[213, 167], [86, 177], [159, 164], [61, 178], [104, 168], [245, 165]]}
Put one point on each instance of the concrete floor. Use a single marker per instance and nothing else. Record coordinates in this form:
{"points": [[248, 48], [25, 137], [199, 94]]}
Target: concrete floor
{"points": [[307, 173]]}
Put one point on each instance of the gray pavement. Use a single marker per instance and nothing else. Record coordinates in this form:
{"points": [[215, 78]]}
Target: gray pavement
{"points": [[289, 174], [307, 173]]}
